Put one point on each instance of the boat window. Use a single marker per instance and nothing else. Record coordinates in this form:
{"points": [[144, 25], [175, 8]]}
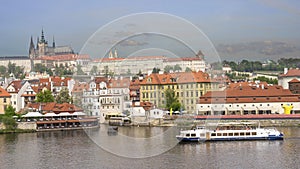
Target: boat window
{"points": [[188, 135], [193, 134], [213, 134], [202, 135], [242, 134], [224, 134], [236, 134], [230, 134], [253, 133], [219, 134], [247, 133]]}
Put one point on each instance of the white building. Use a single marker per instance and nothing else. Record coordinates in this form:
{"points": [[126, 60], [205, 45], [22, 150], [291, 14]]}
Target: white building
{"points": [[287, 76], [145, 64], [16, 88], [248, 98]]}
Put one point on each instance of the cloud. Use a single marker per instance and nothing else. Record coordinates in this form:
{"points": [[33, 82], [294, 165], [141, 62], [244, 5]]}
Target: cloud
{"points": [[132, 43]]}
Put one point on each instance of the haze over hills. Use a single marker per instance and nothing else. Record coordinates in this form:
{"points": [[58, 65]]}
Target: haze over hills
{"points": [[258, 50]]}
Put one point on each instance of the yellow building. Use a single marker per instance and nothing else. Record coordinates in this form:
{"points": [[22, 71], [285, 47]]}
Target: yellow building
{"points": [[188, 87], [4, 100]]}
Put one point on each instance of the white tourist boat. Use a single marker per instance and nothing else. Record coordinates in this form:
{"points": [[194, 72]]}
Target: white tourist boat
{"points": [[229, 131]]}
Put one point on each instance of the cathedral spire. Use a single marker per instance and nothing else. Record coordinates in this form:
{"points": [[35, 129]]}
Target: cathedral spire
{"points": [[53, 43], [31, 47], [43, 36], [37, 42]]}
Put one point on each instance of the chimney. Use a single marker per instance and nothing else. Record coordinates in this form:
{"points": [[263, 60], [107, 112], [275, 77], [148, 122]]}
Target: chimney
{"points": [[263, 86], [285, 70]]}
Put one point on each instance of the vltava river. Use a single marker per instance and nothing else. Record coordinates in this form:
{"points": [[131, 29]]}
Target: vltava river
{"points": [[97, 149]]}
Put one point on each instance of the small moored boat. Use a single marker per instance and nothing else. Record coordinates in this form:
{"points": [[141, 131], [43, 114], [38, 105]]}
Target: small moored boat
{"points": [[229, 131]]}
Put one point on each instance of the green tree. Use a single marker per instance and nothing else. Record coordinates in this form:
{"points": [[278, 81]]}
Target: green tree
{"points": [[10, 111], [177, 68], [9, 122], [79, 70], [265, 79], [45, 96], [155, 70], [63, 96], [7, 118], [187, 69], [171, 100], [3, 70], [168, 68]]}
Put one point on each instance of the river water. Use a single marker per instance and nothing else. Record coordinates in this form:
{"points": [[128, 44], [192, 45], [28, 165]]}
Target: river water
{"points": [[129, 149]]}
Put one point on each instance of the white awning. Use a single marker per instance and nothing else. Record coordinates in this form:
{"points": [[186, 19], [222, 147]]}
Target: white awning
{"points": [[33, 114], [50, 115], [78, 114]]}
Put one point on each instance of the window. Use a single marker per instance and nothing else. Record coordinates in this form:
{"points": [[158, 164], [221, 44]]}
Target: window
{"points": [[213, 134], [236, 134], [4, 100], [193, 135]]}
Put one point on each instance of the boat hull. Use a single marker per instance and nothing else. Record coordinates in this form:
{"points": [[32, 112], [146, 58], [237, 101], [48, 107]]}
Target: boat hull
{"points": [[195, 139]]}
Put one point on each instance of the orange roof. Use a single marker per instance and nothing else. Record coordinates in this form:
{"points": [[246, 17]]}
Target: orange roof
{"points": [[17, 84], [80, 86], [178, 77], [291, 73], [59, 81], [4, 93]]}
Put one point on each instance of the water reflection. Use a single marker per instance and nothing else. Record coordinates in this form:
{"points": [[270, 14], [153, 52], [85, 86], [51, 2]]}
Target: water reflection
{"points": [[74, 149]]}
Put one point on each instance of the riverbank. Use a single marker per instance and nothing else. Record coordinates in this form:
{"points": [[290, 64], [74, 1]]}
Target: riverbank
{"points": [[8, 131]]}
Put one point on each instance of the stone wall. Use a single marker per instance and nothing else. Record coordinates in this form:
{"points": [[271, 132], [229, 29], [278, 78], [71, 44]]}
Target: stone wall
{"points": [[27, 125]]}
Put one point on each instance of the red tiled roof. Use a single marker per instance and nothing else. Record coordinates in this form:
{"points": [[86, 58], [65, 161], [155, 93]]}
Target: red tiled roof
{"points": [[291, 73], [66, 57], [17, 84], [119, 83], [247, 93], [80, 86], [59, 81], [55, 107], [4, 93]]}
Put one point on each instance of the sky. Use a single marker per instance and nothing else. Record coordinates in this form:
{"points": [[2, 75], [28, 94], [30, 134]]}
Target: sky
{"points": [[252, 29]]}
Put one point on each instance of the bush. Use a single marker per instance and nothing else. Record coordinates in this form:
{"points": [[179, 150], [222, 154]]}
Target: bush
{"points": [[9, 122]]}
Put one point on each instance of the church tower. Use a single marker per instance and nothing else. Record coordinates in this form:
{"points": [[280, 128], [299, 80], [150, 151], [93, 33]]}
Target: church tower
{"points": [[42, 45]]}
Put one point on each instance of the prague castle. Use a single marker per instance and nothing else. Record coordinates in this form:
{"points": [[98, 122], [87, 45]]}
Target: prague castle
{"points": [[42, 48]]}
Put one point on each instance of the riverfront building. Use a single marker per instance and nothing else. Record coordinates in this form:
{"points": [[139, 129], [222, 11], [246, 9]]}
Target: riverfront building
{"points": [[248, 98], [106, 96], [188, 87]]}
